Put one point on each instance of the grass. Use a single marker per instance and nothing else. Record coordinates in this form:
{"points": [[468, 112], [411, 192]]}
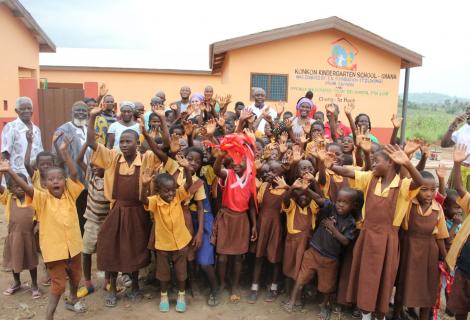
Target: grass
{"points": [[427, 124]]}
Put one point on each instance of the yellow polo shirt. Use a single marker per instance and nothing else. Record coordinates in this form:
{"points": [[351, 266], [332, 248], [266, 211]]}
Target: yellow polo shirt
{"points": [[59, 230], [291, 211], [462, 235], [362, 181], [440, 230], [36, 180], [170, 229]]}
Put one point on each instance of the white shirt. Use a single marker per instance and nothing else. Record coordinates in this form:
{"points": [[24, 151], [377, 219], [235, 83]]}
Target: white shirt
{"points": [[118, 129], [14, 142], [258, 111], [462, 136]]}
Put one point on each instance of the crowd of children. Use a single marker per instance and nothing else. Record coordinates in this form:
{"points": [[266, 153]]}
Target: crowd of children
{"points": [[196, 191]]}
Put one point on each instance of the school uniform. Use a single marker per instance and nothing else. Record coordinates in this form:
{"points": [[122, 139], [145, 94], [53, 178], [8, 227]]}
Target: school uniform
{"points": [[36, 181], [376, 253], [231, 230], [270, 231], [418, 275], [171, 234], [458, 259], [300, 224], [20, 247], [323, 256], [59, 234], [333, 184], [123, 236]]}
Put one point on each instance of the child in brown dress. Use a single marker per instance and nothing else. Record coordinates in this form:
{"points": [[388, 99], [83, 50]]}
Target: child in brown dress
{"points": [[421, 244], [376, 253], [20, 249]]}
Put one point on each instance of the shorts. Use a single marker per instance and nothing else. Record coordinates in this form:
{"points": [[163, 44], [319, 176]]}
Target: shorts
{"points": [[90, 236], [179, 259], [60, 269], [326, 269]]}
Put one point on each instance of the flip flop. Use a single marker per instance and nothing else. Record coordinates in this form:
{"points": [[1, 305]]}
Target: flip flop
{"points": [[235, 298], [77, 307], [134, 295], [12, 290], [35, 294], [213, 299], [110, 300]]}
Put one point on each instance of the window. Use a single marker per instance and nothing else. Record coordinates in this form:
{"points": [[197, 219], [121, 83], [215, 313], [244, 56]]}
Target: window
{"points": [[275, 85]]}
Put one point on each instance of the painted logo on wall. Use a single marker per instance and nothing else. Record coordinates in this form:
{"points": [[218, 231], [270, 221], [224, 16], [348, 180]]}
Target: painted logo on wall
{"points": [[343, 55]]}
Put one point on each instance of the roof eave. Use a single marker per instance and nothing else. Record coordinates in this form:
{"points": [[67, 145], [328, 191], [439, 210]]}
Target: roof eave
{"points": [[115, 69]]}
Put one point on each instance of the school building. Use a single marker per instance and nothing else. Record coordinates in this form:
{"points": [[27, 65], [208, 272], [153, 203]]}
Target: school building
{"points": [[339, 61]]}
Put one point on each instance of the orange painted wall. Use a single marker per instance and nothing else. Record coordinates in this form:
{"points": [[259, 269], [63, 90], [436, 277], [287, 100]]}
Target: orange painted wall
{"points": [[310, 52], [20, 50]]}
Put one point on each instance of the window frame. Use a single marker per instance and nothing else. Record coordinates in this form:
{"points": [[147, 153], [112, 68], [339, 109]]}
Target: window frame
{"points": [[268, 98]]}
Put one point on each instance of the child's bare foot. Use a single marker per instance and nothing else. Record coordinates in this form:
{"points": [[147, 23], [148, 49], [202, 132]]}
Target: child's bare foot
{"points": [[110, 300], [287, 306]]}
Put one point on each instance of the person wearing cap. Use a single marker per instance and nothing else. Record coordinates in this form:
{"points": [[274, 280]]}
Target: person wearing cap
{"points": [[126, 122]]}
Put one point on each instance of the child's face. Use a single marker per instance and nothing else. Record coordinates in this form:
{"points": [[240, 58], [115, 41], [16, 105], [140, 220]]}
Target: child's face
{"points": [[154, 122], [195, 161], [267, 130], [451, 208], [348, 144], [338, 151], [275, 170], [128, 144], [170, 117], [55, 182], [363, 122], [44, 163], [167, 190], [304, 167], [275, 154], [427, 191], [17, 191], [380, 165], [344, 202], [301, 197], [127, 114], [319, 117], [178, 132], [317, 130], [240, 168], [286, 116], [229, 127], [262, 173]]}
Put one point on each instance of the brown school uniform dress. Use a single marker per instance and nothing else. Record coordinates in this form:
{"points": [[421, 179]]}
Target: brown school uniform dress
{"points": [[20, 249], [270, 232], [333, 184], [303, 222], [376, 255], [418, 275], [124, 235]]}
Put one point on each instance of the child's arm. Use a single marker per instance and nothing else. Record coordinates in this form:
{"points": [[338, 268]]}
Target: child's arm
{"points": [[365, 144], [396, 121], [147, 177], [188, 131], [27, 156], [187, 172], [90, 137], [400, 157], [197, 242], [316, 197], [330, 225], [330, 114], [288, 194], [5, 167], [222, 174], [442, 247], [152, 144], [80, 157], [2, 188], [73, 172], [424, 148], [460, 154], [348, 111], [254, 231], [244, 115], [441, 177]]}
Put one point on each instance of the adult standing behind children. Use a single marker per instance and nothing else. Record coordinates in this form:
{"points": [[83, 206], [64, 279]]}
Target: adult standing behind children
{"points": [[14, 141], [127, 122], [258, 107]]}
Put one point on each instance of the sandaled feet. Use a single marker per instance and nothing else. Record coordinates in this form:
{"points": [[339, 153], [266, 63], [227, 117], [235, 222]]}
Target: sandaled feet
{"points": [[134, 295], [271, 296], [213, 299], [235, 298], [289, 307], [46, 282], [12, 290], [110, 300], [35, 294], [84, 291], [164, 303], [181, 303], [77, 307], [356, 313], [253, 297], [325, 313]]}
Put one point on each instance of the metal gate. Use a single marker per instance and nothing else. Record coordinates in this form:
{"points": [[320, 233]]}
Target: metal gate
{"points": [[55, 108]]}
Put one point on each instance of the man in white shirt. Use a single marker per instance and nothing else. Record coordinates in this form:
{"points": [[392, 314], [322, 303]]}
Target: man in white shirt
{"points": [[258, 107], [14, 141]]}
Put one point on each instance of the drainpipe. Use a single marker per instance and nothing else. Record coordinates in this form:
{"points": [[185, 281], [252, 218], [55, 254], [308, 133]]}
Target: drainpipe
{"points": [[404, 106]]}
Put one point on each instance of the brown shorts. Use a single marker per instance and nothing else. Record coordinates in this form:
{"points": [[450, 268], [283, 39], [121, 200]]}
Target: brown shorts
{"points": [[459, 299], [60, 269], [325, 268], [179, 259]]}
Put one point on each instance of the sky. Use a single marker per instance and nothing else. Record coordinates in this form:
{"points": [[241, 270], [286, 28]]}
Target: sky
{"points": [[176, 34]]}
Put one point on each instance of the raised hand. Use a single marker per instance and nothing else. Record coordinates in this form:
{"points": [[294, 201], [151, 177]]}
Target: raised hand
{"points": [[330, 108], [288, 123], [284, 137], [4, 165], [188, 128], [396, 121], [308, 177], [441, 171], [280, 106], [361, 132], [245, 114], [220, 121], [224, 101], [280, 183], [460, 153], [182, 161], [210, 126], [96, 111], [175, 146], [250, 133], [424, 148], [66, 142], [458, 120], [29, 136], [296, 153], [396, 154], [365, 144], [283, 147], [103, 90], [329, 159], [148, 176], [411, 146], [141, 122], [303, 139], [298, 184], [349, 108]]}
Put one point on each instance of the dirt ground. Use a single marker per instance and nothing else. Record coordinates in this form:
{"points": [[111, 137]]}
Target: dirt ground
{"points": [[21, 306]]}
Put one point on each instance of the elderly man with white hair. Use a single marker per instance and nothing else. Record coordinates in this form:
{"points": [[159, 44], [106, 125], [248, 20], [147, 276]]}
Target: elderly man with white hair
{"points": [[258, 107], [14, 141], [127, 122]]}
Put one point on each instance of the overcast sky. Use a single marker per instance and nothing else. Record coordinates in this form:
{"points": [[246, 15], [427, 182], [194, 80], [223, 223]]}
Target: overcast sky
{"points": [[165, 33]]}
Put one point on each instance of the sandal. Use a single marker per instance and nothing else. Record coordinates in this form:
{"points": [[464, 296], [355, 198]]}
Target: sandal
{"points": [[110, 300], [253, 296], [271, 296], [84, 291], [35, 294], [213, 299], [181, 303], [12, 290], [287, 306], [46, 282], [325, 313], [77, 307], [164, 304], [134, 295], [235, 298]]}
